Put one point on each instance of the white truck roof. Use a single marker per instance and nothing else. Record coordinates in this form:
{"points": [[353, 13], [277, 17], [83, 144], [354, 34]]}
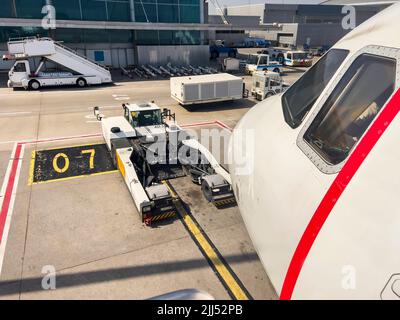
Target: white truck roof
{"points": [[219, 77], [138, 106]]}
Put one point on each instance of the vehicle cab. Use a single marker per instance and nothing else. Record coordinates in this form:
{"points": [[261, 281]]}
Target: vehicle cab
{"points": [[297, 59], [19, 74], [318, 191]]}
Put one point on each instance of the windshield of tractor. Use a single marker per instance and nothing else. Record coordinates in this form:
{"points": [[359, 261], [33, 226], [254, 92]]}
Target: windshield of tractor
{"points": [[146, 118], [263, 60]]}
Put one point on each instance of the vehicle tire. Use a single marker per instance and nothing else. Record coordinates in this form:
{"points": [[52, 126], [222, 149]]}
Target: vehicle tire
{"points": [[277, 70], [81, 83], [214, 55], [269, 94], [34, 85]]}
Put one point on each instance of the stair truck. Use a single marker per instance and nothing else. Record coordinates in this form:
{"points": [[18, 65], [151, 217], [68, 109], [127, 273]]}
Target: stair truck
{"points": [[149, 147], [81, 70]]}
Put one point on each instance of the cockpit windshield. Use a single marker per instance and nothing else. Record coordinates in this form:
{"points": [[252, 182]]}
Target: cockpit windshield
{"points": [[146, 118], [300, 97]]}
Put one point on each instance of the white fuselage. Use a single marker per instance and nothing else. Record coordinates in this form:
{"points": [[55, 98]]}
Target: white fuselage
{"points": [[327, 231]]}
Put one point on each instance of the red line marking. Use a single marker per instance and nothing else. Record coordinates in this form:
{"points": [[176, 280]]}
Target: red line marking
{"points": [[10, 186], [223, 125], [335, 191]]}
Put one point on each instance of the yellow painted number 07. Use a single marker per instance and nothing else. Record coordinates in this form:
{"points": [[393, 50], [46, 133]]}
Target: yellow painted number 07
{"points": [[57, 168]]}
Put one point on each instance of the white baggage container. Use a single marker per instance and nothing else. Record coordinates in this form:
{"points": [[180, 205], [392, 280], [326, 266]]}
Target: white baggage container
{"points": [[206, 88]]}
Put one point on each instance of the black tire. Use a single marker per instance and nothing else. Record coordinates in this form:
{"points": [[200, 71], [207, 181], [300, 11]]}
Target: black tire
{"points": [[269, 94], [34, 85], [214, 55], [81, 83], [277, 70]]}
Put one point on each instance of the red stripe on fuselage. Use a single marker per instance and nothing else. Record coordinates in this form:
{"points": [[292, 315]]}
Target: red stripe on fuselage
{"points": [[333, 194]]}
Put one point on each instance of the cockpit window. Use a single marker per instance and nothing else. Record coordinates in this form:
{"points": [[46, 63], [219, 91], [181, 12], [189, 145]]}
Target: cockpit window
{"points": [[301, 96], [351, 107]]}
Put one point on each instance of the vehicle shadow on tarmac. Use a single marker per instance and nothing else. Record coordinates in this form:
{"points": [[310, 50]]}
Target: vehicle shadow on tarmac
{"points": [[34, 284], [69, 88], [221, 106]]}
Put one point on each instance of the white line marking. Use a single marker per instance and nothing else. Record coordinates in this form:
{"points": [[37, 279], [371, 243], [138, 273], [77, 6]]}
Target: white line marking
{"points": [[6, 114], [12, 200]]}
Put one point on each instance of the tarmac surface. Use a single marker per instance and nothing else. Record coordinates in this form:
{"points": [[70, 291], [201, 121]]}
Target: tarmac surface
{"points": [[80, 222]]}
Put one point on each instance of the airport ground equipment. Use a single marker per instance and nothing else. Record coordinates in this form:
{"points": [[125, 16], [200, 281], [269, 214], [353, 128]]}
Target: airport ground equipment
{"points": [[206, 88], [81, 70], [267, 84], [262, 62], [149, 147], [297, 59], [231, 65], [219, 49], [274, 54]]}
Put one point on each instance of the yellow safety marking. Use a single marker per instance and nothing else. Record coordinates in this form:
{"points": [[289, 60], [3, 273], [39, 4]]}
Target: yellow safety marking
{"points": [[92, 153], [120, 165], [76, 177], [223, 271], [32, 168], [224, 202], [55, 163]]}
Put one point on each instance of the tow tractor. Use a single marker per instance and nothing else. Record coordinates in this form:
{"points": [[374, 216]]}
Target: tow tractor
{"points": [[149, 147], [267, 84]]}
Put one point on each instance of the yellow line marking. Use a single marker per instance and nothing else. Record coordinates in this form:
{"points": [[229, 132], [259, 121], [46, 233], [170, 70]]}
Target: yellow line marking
{"points": [[75, 177], [208, 249], [32, 167]]}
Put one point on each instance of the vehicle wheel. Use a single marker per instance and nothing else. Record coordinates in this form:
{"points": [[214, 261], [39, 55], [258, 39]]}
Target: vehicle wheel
{"points": [[277, 70], [269, 94], [214, 55], [34, 85], [81, 83]]}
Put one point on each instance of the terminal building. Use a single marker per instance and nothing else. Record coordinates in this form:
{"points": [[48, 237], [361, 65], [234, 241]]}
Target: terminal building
{"points": [[116, 33], [300, 24]]}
